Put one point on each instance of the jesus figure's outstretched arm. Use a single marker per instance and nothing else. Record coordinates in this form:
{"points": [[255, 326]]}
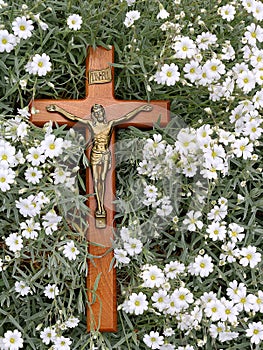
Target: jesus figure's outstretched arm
{"points": [[132, 114], [56, 108]]}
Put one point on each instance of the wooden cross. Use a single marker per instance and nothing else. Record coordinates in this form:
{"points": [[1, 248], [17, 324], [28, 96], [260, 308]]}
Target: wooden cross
{"points": [[102, 314]]}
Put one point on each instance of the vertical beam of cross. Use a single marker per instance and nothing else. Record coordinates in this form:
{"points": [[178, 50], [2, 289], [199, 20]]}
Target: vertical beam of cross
{"points": [[102, 309]]}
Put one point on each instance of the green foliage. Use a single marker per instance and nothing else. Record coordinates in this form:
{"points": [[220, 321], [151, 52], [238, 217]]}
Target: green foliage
{"points": [[141, 50]]}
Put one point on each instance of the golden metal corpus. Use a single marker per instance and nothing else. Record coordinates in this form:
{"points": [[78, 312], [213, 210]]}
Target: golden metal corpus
{"points": [[100, 156]]}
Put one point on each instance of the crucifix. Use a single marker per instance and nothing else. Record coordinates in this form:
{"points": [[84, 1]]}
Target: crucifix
{"points": [[101, 114]]}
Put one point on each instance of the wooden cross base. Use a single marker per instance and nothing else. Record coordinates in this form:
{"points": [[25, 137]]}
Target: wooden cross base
{"points": [[102, 308]]}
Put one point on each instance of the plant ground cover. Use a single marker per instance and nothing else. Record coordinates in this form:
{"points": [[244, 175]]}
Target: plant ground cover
{"points": [[188, 247]]}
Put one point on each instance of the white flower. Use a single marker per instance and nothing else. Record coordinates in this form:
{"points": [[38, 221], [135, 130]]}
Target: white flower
{"points": [[244, 301], [13, 340], [30, 228], [214, 309], [137, 303], [70, 251], [216, 231], [60, 176], [130, 2], [22, 27], [72, 322], [7, 154], [53, 146], [192, 221], [217, 213], [258, 305], [133, 246], [250, 256], [7, 177], [163, 14], [153, 277], [168, 332], [48, 335], [22, 288], [257, 10], [235, 289], [151, 192], [7, 41], [35, 156], [131, 16], [121, 256], [28, 206], [33, 175], [62, 343], [155, 146], [243, 148], [153, 340], [125, 234], [39, 65], [160, 299], [214, 68], [184, 47], [205, 39], [246, 81], [192, 70], [253, 33], [255, 332], [51, 222], [203, 265], [227, 12], [74, 21], [14, 242], [183, 297], [235, 232], [169, 74], [51, 290], [230, 312], [173, 269]]}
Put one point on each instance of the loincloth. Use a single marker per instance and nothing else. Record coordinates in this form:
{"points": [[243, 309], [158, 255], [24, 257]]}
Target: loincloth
{"points": [[97, 157]]}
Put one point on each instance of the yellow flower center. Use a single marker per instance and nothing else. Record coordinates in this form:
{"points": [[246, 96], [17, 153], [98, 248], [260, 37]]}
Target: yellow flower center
{"points": [[40, 64], [4, 41], [52, 146], [137, 303], [169, 74], [2, 179], [22, 27], [202, 265]]}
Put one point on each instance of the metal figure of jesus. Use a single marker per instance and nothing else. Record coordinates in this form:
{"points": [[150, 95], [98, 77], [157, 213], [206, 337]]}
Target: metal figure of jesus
{"points": [[100, 156]]}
